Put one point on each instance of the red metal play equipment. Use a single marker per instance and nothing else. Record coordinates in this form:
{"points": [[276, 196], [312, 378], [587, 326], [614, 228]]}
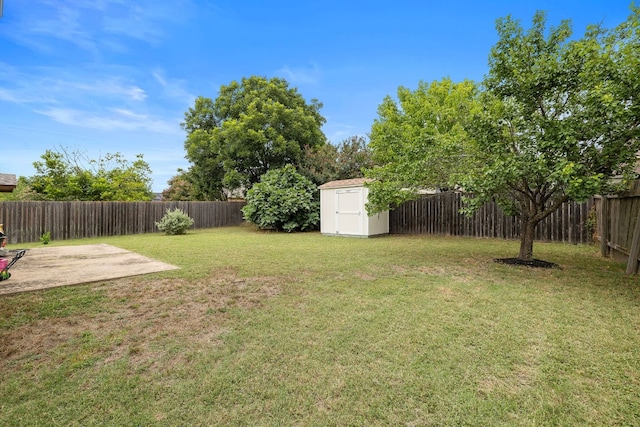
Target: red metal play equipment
{"points": [[5, 264]]}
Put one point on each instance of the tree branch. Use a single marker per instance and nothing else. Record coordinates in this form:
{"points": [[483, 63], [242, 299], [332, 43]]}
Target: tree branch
{"points": [[552, 208]]}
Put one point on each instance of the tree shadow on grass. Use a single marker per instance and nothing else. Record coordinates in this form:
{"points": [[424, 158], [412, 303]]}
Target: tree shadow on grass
{"points": [[536, 263]]}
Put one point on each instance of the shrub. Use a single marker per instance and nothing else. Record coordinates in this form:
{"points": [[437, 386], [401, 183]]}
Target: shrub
{"points": [[45, 238], [283, 200], [175, 222]]}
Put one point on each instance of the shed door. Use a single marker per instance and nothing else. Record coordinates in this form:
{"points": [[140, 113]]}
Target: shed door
{"points": [[349, 211]]}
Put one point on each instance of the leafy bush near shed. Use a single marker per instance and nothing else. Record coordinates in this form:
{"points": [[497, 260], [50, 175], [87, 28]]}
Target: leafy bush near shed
{"points": [[175, 222], [283, 200]]}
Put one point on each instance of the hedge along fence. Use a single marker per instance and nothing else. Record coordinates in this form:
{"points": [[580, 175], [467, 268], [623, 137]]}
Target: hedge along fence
{"points": [[440, 214], [27, 221]]}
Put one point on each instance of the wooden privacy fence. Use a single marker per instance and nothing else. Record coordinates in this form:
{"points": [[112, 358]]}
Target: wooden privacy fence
{"points": [[440, 214], [618, 228], [27, 221]]}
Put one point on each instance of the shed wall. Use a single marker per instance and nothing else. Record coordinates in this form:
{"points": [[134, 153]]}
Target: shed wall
{"points": [[327, 211], [343, 212]]}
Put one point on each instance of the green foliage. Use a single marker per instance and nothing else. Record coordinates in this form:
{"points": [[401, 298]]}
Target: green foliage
{"points": [[175, 222], [556, 119], [181, 188], [64, 175], [45, 238], [329, 162], [591, 223], [206, 172], [22, 192], [419, 141], [283, 200], [559, 118], [319, 164], [252, 127]]}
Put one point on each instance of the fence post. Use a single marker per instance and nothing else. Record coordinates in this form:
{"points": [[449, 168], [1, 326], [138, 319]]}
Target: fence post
{"points": [[632, 263], [603, 226]]}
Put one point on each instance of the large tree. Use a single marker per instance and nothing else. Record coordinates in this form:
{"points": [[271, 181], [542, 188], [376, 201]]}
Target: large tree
{"points": [[419, 141], [206, 172], [180, 188], [328, 162], [253, 126], [556, 119], [70, 175], [560, 118]]}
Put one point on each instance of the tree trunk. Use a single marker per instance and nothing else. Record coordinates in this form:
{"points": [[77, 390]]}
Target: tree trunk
{"points": [[527, 229], [534, 207]]}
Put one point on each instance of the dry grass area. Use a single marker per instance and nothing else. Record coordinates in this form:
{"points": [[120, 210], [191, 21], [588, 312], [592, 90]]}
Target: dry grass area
{"points": [[298, 329], [141, 314]]}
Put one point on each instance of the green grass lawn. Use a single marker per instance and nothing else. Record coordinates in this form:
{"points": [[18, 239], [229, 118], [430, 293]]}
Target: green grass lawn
{"points": [[300, 329]]}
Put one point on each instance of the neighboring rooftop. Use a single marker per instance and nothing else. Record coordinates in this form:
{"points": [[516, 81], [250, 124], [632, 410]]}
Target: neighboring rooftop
{"points": [[354, 182], [7, 182]]}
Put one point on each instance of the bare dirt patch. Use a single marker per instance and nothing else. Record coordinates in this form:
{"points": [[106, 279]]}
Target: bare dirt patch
{"points": [[43, 268], [144, 321], [364, 276]]}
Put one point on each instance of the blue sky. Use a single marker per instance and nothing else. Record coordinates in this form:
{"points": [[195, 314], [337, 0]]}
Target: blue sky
{"points": [[106, 76]]}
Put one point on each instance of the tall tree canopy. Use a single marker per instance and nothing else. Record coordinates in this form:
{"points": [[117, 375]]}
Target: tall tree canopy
{"points": [[419, 141], [253, 126], [555, 120], [65, 175], [180, 188], [330, 162], [560, 118]]}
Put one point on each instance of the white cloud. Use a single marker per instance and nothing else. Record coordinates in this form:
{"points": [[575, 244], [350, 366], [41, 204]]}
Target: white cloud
{"points": [[54, 85], [173, 88], [130, 114], [301, 75], [39, 26], [9, 96], [158, 75], [94, 26], [82, 99], [338, 132], [114, 119], [109, 86]]}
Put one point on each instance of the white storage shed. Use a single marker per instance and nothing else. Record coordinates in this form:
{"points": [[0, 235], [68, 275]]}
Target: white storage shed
{"points": [[343, 210]]}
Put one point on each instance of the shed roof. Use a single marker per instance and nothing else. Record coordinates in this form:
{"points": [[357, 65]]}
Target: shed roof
{"points": [[7, 182], [354, 182]]}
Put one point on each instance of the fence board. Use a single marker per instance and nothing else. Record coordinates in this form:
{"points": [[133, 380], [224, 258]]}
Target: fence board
{"points": [[27, 221], [617, 219], [440, 214]]}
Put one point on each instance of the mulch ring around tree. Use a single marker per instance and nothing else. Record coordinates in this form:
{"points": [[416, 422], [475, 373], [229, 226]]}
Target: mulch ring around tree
{"points": [[536, 263]]}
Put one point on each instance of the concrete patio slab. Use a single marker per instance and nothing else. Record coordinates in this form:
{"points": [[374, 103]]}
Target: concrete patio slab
{"points": [[50, 267]]}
